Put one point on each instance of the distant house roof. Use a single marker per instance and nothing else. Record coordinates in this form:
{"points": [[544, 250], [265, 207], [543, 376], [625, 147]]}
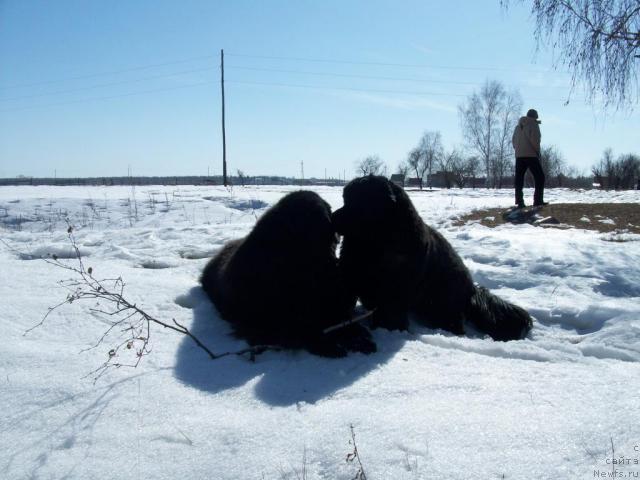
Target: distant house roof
{"points": [[398, 179]]}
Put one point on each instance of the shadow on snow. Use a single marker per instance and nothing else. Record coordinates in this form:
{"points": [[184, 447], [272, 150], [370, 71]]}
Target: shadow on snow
{"points": [[281, 378]]}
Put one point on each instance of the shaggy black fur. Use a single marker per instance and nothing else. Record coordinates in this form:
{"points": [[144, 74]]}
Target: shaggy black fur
{"points": [[280, 285], [397, 264]]}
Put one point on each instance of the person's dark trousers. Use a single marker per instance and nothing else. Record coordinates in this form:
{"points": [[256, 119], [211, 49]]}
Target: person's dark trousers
{"points": [[533, 164]]}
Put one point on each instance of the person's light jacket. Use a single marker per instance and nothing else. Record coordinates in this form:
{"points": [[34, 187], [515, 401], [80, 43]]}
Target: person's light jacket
{"points": [[526, 138]]}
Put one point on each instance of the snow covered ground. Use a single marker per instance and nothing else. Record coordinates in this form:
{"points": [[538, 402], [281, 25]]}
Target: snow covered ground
{"points": [[561, 404]]}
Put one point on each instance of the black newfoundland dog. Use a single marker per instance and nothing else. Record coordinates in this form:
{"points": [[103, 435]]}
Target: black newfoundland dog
{"points": [[397, 264], [280, 285]]}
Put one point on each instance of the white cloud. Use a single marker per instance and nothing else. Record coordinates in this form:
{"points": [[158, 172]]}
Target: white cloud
{"points": [[423, 49], [403, 102]]}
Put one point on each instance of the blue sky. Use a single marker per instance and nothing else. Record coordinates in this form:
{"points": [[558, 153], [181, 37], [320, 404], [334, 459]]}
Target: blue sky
{"points": [[91, 88]]}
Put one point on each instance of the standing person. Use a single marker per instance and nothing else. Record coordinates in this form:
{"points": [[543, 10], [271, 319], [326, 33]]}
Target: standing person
{"points": [[526, 142]]}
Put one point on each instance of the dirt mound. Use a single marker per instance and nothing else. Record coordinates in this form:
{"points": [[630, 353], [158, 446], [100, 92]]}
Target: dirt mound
{"points": [[602, 217]]}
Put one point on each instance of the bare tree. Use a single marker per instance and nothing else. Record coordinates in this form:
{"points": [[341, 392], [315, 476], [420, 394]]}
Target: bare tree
{"points": [[452, 167], [603, 171], [241, 177], [576, 178], [371, 165], [485, 116], [599, 169], [463, 168], [598, 40], [415, 160], [431, 151], [472, 167], [553, 165], [403, 168], [459, 170], [503, 163], [628, 170], [620, 173]]}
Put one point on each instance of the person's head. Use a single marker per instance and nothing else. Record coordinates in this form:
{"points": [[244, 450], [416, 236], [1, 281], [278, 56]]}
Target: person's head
{"points": [[533, 114]]}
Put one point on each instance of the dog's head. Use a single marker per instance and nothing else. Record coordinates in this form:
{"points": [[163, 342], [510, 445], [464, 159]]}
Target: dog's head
{"points": [[368, 201], [300, 220]]}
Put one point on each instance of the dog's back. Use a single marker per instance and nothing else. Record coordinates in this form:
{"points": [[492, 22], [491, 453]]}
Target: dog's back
{"points": [[396, 264]]}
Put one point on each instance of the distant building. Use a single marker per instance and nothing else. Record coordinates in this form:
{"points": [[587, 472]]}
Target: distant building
{"points": [[398, 179], [476, 182], [413, 182], [441, 180]]}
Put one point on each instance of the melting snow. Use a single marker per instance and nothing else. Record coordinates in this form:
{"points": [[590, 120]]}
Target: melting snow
{"points": [[427, 405]]}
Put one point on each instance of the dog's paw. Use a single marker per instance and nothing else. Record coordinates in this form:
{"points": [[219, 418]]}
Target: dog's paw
{"points": [[390, 320], [327, 348], [356, 338]]}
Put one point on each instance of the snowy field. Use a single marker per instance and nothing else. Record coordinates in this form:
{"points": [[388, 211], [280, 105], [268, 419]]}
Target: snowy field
{"points": [[561, 404]]}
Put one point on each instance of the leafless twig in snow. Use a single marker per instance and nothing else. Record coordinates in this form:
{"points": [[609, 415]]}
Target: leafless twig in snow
{"points": [[130, 322]]}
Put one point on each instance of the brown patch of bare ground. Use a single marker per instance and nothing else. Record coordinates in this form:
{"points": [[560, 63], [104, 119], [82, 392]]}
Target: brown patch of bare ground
{"points": [[601, 217]]}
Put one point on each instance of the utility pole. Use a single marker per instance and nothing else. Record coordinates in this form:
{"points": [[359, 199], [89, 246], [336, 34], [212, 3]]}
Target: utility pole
{"points": [[302, 171], [224, 140]]}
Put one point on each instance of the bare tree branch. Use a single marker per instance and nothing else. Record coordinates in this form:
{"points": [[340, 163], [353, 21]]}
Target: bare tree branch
{"points": [[354, 456], [487, 118], [371, 165], [130, 324], [127, 320], [598, 40]]}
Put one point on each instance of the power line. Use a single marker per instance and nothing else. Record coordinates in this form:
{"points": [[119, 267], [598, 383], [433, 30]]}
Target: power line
{"points": [[328, 87], [239, 67], [92, 99], [247, 68], [365, 77], [111, 72], [110, 84], [346, 75], [364, 90], [284, 58], [241, 82], [382, 64]]}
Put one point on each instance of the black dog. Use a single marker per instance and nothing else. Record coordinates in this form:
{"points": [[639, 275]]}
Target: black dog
{"points": [[280, 285], [397, 264]]}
